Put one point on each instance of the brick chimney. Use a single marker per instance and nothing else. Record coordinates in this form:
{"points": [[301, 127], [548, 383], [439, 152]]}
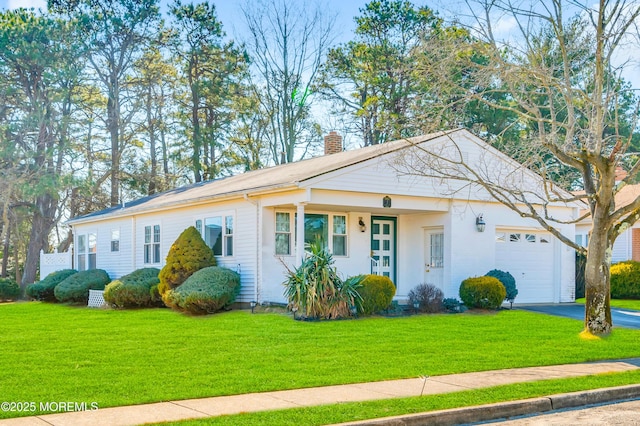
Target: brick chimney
{"points": [[332, 143]]}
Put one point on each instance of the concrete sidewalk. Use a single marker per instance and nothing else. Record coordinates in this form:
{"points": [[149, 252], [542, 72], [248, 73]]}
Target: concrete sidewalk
{"points": [[225, 405]]}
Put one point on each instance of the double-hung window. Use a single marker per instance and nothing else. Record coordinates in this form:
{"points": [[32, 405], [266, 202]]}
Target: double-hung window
{"points": [[283, 233], [115, 240], [152, 244], [86, 256]]}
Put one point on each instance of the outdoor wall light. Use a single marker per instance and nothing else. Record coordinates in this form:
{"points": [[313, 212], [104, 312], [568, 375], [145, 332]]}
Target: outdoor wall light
{"points": [[363, 227], [253, 304], [480, 224]]}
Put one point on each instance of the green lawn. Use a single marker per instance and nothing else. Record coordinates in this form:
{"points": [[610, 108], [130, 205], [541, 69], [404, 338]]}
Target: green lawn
{"points": [[61, 353], [622, 304]]}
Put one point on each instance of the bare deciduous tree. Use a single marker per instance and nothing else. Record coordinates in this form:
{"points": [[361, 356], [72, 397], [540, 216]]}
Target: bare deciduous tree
{"points": [[559, 77]]}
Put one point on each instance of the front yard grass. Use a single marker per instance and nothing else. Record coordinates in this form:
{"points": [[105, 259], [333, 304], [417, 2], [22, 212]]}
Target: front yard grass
{"points": [[620, 303], [61, 353]]}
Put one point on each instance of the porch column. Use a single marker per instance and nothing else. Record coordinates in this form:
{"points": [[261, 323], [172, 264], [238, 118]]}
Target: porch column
{"points": [[300, 233]]}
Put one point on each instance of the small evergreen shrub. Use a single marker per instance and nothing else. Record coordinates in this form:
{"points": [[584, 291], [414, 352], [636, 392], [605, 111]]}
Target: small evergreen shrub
{"points": [[205, 292], [132, 290], [188, 254], [507, 281], [625, 280], [482, 292], [315, 290], [451, 304], [428, 296], [75, 289], [43, 289], [376, 293], [9, 289]]}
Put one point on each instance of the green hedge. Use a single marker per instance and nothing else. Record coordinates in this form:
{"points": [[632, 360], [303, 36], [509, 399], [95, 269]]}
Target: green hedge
{"points": [[9, 289], [482, 292], [75, 289], [625, 280], [43, 289], [206, 291], [132, 290], [376, 293], [507, 281]]}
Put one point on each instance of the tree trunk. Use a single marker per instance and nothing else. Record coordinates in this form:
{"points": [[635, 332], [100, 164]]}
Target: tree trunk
{"points": [[43, 222], [5, 251], [597, 283]]}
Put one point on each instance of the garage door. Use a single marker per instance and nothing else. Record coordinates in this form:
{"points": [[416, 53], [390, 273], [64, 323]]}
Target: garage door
{"points": [[528, 256]]}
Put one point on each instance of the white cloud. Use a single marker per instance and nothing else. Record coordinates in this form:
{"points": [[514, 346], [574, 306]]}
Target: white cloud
{"points": [[14, 4]]}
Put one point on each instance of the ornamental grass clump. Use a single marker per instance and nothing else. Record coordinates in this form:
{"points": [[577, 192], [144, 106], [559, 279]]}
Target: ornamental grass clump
{"points": [[9, 289], [315, 290], [482, 292], [205, 292], [376, 294], [188, 254], [132, 290], [43, 289], [75, 289]]}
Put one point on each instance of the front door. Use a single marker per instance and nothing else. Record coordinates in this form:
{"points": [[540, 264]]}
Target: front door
{"points": [[383, 247], [434, 257]]}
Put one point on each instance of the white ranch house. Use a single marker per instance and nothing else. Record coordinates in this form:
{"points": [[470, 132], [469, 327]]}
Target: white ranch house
{"points": [[371, 217]]}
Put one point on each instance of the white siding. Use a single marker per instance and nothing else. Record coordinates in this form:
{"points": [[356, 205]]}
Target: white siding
{"points": [[622, 247]]}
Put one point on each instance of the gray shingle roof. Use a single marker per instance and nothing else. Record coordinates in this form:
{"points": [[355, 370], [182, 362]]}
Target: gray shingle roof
{"points": [[271, 178]]}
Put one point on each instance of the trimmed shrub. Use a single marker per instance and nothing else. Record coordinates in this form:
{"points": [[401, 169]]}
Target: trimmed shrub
{"points": [[376, 294], [75, 289], [315, 290], [43, 289], [9, 289], [205, 292], [428, 296], [625, 280], [482, 292], [188, 254], [507, 281], [451, 304], [132, 290]]}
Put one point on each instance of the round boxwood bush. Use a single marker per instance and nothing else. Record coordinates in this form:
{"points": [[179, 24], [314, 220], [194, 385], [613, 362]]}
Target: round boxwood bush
{"points": [[43, 289], [507, 281], [132, 290], [9, 289], [376, 293], [625, 280], [75, 289], [188, 254], [206, 291], [428, 297], [482, 292]]}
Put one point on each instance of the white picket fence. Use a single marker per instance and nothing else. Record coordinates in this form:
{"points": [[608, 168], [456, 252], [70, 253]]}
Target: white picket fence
{"points": [[51, 262]]}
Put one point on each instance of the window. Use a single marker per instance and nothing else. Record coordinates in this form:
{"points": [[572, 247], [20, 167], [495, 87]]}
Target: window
{"points": [[115, 240], [217, 234], [514, 238], [283, 233], [340, 235], [436, 258], [82, 253], [86, 253], [501, 237], [152, 244], [228, 235], [328, 230], [530, 238]]}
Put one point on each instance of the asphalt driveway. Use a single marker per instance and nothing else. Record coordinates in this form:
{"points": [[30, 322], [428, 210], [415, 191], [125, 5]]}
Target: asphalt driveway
{"points": [[621, 317]]}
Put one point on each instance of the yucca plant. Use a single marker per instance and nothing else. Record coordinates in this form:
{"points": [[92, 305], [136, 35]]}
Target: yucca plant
{"points": [[315, 290]]}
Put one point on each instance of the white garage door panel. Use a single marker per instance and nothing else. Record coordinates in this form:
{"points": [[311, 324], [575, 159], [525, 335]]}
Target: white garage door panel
{"points": [[530, 260]]}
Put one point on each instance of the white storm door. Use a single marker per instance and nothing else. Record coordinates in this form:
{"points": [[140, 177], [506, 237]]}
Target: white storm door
{"points": [[383, 246], [434, 257]]}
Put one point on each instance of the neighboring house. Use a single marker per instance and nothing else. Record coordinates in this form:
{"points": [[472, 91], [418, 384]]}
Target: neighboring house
{"points": [[627, 245], [371, 217]]}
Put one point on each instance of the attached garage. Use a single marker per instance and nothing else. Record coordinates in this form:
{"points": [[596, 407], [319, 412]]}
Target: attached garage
{"points": [[529, 256]]}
